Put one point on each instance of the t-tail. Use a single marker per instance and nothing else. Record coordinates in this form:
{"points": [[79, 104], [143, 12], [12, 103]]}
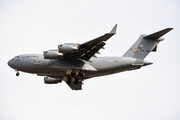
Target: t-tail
{"points": [[146, 44]]}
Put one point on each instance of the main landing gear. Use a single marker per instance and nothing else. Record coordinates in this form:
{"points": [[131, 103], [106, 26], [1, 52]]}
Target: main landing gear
{"points": [[69, 80], [74, 76], [73, 72], [74, 80]]}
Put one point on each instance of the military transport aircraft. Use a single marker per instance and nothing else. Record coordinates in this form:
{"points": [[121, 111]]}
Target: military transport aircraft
{"points": [[74, 62]]}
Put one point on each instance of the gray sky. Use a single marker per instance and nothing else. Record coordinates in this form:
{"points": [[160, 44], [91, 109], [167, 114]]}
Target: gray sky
{"points": [[152, 92]]}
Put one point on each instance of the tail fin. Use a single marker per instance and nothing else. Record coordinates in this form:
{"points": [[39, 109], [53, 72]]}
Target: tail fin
{"points": [[146, 44]]}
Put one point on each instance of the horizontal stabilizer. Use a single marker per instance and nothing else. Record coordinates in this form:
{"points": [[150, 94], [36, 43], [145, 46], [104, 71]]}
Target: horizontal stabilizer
{"points": [[158, 34]]}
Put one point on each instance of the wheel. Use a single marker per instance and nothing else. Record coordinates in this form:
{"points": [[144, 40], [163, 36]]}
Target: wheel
{"points": [[69, 81], [73, 73], [80, 73], [76, 81], [17, 74]]}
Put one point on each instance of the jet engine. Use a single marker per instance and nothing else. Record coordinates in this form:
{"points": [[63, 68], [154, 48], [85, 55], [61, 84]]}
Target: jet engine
{"points": [[50, 54], [49, 80], [68, 48]]}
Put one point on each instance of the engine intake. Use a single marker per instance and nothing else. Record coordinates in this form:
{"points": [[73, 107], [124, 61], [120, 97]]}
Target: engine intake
{"points": [[52, 54], [67, 48], [49, 80]]}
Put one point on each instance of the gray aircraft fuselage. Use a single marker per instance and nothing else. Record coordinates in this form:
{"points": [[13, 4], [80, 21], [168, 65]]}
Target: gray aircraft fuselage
{"points": [[36, 64]]}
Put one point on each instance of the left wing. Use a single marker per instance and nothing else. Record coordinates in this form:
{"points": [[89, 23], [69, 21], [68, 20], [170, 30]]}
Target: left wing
{"points": [[90, 48]]}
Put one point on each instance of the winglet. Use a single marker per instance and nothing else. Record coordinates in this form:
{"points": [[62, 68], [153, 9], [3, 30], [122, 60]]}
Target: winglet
{"points": [[158, 34], [114, 29]]}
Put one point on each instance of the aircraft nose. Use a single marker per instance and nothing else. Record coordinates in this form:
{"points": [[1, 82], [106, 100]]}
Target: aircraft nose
{"points": [[9, 63]]}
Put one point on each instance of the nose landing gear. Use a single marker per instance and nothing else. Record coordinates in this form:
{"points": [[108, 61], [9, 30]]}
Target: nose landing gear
{"points": [[17, 73]]}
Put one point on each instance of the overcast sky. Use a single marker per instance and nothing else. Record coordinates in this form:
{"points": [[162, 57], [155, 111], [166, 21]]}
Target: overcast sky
{"points": [[32, 26]]}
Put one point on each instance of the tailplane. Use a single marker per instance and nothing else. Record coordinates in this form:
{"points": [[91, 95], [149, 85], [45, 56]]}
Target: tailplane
{"points": [[146, 44]]}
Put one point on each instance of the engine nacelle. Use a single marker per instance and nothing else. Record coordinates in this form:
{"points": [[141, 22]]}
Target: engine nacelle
{"points": [[49, 80], [67, 48], [52, 54]]}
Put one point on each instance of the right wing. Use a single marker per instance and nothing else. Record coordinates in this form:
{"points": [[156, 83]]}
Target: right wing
{"points": [[90, 48]]}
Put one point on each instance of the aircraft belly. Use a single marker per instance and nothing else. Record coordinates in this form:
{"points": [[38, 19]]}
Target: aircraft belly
{"points": [[40, 66], [98, 67], [108, 66]]}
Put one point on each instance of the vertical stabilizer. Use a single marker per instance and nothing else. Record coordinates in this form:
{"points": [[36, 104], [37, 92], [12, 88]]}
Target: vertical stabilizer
{"points": [[146, 44]]}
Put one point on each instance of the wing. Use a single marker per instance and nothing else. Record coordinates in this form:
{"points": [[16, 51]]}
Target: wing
{"points": [[90, 48]]}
